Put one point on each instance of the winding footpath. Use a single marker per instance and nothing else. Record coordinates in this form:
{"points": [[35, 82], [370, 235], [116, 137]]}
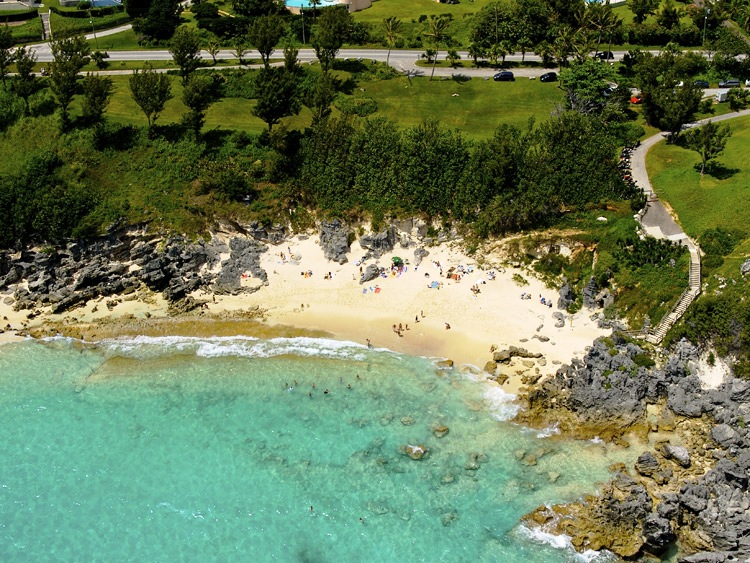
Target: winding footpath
{"points": [[658, 222]]}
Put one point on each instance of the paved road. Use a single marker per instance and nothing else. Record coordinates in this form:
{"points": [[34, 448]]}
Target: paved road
{"points": [[657, 221]]}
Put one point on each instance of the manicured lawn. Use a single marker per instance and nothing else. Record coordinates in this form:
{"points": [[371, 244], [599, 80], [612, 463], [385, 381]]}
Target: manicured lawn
{"points": [[476, 107], [711, 201], [412, 9]]}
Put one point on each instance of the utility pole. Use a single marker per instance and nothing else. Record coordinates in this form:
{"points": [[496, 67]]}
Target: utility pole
{"points": [[705, 21]]}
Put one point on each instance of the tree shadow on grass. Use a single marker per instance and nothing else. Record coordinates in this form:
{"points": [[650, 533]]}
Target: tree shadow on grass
{"points": [[459, 78], [718, 170]]}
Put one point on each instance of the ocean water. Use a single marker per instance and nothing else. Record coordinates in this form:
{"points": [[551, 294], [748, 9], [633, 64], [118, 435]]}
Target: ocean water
{"points": [[220, 449]]}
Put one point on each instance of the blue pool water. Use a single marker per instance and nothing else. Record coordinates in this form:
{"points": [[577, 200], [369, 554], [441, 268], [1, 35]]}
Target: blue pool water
{"points": [[220, 449], [103, 3], [307, 4]]}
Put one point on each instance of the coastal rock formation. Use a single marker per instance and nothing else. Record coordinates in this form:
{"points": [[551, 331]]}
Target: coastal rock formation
{"points": [[692, 490], [371, 272], [380, 243], [122, 262], [415, 452], [334, 240]]}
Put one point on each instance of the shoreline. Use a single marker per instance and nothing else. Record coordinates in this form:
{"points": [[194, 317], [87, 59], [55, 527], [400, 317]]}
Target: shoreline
{"points": [[483, 309]]}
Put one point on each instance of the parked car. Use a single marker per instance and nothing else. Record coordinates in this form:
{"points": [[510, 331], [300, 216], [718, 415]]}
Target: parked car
{"points": [[548, 77], [701, 83], [605, 56], [504, 76], [636, 99], [747, 82], [729, 83]]}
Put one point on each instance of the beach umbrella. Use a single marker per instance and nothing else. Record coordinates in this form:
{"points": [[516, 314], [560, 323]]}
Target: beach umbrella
{"points": [[396, 260]]}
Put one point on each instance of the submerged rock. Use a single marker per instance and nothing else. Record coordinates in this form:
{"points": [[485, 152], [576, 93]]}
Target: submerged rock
{"points": [[415, 452]]}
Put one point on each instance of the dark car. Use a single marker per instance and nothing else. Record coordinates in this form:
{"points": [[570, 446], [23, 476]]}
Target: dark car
{"points": [[729, 83], [504, 76], [605, 55], [548, 77], [701, 83]]}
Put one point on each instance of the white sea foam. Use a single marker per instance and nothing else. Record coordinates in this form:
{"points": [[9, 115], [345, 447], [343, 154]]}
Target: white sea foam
{"points": [[501, 404], [233, 346], [563, 542], [549, 431]]}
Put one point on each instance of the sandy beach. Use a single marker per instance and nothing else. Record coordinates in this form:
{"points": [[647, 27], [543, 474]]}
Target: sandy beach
{"points": [[493, 314]]}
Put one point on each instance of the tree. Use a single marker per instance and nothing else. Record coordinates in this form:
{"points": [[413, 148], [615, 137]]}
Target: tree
{"points": [[437, 31], [587, 85], [642, 9], [151, 91], [162, 19], [669, 16], [391, 27], [333, 28], [185, 47], [737, 98], [277, 94], [264, 34], [319, 96], [255, 8], [96, 93], [100, 59], [198, 95], [240, 48], [6, 57], [708, 141], [25, 83], [453, 57], [670, 108], [70, 55], [213, 48]]}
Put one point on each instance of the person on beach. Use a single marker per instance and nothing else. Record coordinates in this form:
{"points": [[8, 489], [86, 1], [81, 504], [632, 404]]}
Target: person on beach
{"points": [[416, 318], [447, 326]]}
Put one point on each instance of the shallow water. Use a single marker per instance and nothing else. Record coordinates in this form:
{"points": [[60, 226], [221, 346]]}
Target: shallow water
{"points": [[184, 449]]}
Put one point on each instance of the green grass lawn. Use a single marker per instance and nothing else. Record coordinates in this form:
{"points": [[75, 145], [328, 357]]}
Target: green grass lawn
{"points": [[476, 107], [710, 201]]}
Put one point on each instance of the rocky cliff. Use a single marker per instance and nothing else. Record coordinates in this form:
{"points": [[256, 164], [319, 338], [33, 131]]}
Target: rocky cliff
{"points": [[689, 487]]}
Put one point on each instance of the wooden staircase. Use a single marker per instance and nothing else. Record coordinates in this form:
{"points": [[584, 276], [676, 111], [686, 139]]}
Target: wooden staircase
{"points": [[657, 334]]}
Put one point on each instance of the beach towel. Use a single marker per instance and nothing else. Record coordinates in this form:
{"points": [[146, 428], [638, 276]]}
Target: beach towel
{"points": [[377, 290]]}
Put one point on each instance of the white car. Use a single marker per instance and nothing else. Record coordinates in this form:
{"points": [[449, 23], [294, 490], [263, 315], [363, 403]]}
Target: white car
{"points": [[747, 83]]}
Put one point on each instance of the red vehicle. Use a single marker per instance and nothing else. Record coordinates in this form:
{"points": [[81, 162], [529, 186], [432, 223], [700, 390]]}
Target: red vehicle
{"points": [[636, 99]]}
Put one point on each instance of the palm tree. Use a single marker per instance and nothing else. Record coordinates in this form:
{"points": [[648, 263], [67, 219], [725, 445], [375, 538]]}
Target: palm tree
{"points": [[391, 26], [601, 19], [437, 31]]}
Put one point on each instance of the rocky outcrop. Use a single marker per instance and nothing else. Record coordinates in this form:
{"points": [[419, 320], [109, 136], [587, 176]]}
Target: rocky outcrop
{"points": [[371, 272], [380, 243], [334, 240], [121, 263], [692, 490]]}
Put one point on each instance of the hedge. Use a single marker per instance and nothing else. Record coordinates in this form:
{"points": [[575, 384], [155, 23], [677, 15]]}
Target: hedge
{"points": [[81, 14], [19, 16]]}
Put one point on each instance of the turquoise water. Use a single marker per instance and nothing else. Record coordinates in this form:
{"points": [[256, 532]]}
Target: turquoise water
{"points": [[180, 449], [308, 4]]}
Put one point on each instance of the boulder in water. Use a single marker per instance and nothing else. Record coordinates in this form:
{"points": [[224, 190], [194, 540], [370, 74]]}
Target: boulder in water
{"points": [[416, 452]]}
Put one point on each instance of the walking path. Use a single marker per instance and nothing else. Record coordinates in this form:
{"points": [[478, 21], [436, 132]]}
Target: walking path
{"points": [[658, 222]]}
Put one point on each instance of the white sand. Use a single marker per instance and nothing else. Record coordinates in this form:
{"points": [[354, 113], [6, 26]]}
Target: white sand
{"points": [[496, 316]]}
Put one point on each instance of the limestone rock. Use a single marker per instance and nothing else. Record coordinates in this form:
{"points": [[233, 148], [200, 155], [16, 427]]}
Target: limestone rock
{"points": [[416, 452], [658, 533], [440, 431], [334, 240], [678, 454], [371, 272], [647, 464], [380, 243]]}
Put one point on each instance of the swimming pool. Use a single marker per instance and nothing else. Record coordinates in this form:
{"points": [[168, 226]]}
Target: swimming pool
{"points": [[308, 4], [103, 3]]}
